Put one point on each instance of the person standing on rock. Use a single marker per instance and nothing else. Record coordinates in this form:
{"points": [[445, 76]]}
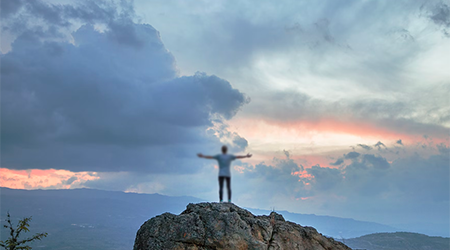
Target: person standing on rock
{"points": [[224, 160]]}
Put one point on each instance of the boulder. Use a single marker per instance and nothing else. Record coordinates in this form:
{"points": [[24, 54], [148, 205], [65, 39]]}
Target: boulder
{"points": [[227, 226]]}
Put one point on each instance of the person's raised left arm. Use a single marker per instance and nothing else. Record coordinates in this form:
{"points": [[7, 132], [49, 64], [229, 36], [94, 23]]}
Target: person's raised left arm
{"points": [[243, 156]]}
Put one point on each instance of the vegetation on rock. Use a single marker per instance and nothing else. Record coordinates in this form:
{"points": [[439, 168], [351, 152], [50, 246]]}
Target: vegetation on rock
{"points": [[13, 242]]}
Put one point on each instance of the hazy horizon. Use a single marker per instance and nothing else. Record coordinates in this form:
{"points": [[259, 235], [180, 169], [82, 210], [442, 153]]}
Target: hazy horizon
{"points": [[343, 104]]}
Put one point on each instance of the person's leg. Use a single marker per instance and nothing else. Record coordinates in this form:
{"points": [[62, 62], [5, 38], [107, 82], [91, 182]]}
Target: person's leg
{"points": [[229, 188], [221, 188]]}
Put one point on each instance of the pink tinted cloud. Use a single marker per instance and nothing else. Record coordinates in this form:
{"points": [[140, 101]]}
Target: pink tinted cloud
{"points": [[363, 129], [44, 179], [299, 128]]}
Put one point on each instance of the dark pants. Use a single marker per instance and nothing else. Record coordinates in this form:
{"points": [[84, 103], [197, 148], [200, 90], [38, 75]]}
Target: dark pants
{"points": [[221, 178]]}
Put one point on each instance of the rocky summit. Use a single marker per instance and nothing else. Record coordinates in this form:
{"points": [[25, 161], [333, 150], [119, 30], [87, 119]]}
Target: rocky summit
{"points": [[227, 226]]}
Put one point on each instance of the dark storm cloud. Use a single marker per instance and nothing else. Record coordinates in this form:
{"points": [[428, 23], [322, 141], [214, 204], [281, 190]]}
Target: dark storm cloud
{"points": [[337, 162], [279, 171], [229, 138], [415, 177], [9, 7], [117, 181], [325, 178], [293, 106], [272, 28], [290, 49], [375, 161], [443, 149], [366, 147], [318, 44], [423, 178], [18, 16], [440, 15], [240, 142], [70, 180], [351, 155], [45, 21], [283, 168], [367, 185], [366, 174], [111, 101], [410, 179], [379, 145]]}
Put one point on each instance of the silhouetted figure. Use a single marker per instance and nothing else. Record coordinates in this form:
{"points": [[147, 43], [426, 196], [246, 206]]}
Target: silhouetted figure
{"points": [[224, 160]]}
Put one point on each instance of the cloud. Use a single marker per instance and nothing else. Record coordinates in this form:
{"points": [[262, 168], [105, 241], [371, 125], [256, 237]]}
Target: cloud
{"points": [[90, 86], [443, 149], [109, 101], [399, 142], [337, 162], [271, 29], [283, 168], [369, 117], [19, 16], [361, 176], [70, 180], [379, 145], [321, 64], [45, 179], [389, 188], [10, 7], [440, 15], [376, 161], [323, 40], [352, 155], [412, 178], [423, 178], [372, 188], [222, 131], [366, 147], [267, 179], [365, 175], [324, 178]]}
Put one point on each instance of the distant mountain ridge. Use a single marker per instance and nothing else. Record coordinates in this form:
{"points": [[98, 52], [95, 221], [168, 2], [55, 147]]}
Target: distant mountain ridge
{"points": [[398, 241], [73, 218], [86, 218], [333, 226]]}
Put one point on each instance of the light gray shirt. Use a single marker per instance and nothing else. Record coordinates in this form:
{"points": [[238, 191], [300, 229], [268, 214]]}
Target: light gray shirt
{"points": [[224, 164]]}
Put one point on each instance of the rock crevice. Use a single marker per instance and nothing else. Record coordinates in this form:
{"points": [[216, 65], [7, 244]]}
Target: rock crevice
{"points": [[226, 226]]}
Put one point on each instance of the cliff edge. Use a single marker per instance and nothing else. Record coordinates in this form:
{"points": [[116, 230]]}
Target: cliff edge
{"points": [[227, 226]]}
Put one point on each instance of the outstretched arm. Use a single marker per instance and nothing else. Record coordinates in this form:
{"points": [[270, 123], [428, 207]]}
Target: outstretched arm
{"points": [[243, 156], [205, 156]]}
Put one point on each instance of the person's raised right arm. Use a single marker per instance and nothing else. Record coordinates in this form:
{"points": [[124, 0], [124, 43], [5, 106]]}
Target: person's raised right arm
{"points": [[205, 156]]}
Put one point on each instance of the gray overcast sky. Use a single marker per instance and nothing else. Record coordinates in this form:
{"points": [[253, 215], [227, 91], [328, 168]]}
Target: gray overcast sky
{"points": [[344, 104]]}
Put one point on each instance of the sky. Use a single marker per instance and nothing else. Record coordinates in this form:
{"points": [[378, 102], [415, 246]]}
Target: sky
{"points": [[343, 104]]}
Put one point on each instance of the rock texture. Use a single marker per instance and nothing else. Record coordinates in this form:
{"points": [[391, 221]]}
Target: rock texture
{"points": [[227, 226]]}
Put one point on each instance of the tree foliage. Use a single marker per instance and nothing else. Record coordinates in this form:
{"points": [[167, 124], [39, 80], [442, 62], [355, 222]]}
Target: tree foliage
{"points": [[13, 242]]}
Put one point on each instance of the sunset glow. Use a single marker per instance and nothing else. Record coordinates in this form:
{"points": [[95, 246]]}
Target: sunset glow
{"points": [[337, 108], [323, 133], [44, 179]]}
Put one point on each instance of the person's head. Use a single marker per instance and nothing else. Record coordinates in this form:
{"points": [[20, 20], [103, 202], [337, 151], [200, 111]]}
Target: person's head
{"points": [[224, 149]]}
